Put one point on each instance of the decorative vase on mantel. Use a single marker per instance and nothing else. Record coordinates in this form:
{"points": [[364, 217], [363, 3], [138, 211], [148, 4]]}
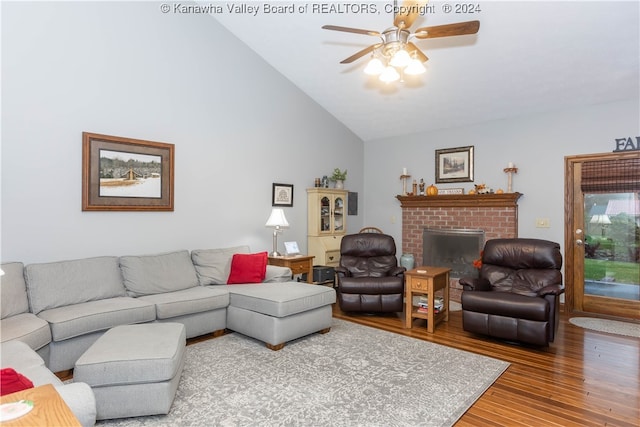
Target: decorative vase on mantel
{"points": [[339, 184]]}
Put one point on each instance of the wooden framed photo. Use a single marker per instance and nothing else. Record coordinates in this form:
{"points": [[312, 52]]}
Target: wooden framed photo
{"points": [[282, 195], [124, 174], [454, 165]]}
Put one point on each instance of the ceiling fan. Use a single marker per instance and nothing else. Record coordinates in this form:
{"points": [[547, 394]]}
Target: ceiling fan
{"points": [[395, 54]]}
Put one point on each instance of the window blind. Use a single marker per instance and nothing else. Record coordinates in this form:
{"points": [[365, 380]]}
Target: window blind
{"points": [[611, 176]]}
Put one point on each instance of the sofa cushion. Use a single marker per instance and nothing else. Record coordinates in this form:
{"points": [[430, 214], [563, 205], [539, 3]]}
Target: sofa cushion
{"points": [[188, 301], [133, 354], [280, 299], [80, 319], [13, 292], [65, 283], [248, 268], [214, 265], [156, 274], [28, 328]]}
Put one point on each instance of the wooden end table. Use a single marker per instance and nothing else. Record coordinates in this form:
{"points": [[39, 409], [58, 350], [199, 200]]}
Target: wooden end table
{"points": [[426, 280], [297, 263], [48, 408]]}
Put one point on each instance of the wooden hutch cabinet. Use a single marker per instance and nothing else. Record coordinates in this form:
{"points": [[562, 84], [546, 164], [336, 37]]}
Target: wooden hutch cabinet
{"points": [[327, 208]]}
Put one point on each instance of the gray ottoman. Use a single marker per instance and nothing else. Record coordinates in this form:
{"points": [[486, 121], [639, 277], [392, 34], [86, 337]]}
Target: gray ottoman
{"points": [[279, 312], [134, 370]]}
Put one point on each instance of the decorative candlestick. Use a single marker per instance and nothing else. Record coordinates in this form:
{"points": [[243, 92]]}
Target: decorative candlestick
{"points": [[510, 170], [404, 178]]}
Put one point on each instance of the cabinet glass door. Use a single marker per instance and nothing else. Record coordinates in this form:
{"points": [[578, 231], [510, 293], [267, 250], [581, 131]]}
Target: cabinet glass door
{"points": [[338, 209], [325, 214]]}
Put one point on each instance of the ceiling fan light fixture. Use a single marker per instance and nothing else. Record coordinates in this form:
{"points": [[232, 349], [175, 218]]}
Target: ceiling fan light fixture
{"points": [[415, 68], [400, 59], [389, 75], [375, 67]]}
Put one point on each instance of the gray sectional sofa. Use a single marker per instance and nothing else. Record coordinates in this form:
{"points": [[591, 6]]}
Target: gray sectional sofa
{"points": [[78, 395], [60, 309]]}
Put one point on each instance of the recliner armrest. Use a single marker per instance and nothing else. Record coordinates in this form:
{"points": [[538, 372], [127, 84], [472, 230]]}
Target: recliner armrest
{"points": [[551, 290], [397, 271], [475, 284], [342, 271]]}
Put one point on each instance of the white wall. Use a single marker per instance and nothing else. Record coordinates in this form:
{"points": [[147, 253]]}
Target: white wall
{"points": [[536, 144], [126, 69]]}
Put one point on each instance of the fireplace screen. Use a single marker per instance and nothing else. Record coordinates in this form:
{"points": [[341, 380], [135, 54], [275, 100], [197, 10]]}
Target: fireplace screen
{"points": [[452, 248]]}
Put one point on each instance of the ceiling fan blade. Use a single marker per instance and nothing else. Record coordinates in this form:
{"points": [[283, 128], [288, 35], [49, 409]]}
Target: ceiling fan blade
{"points": [[413, 48], [407, 13], [459, 29], [351, 30], [360, 54]]}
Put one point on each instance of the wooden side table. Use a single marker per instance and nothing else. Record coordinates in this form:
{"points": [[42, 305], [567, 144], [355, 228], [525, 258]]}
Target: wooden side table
{"points": [[297, 263], [426, 280], [48, 408]]}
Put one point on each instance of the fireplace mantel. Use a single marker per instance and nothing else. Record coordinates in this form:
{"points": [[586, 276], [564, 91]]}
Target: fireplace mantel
{"points": [[461, 200]]}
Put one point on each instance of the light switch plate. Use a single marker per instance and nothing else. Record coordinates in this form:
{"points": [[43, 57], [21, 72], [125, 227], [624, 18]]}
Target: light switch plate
{"points": [[542, 223]]}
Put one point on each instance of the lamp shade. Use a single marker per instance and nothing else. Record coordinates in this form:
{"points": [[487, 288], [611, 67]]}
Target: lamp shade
{"points": [[415, 67], [277, 219], [400, 59], [600, 219], [374, 67], [389, 75]]}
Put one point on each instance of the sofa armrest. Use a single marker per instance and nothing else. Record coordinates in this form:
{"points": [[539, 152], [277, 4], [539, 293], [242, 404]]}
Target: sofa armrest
{"points": [[81, 400], [475, 284], [276, 273]]}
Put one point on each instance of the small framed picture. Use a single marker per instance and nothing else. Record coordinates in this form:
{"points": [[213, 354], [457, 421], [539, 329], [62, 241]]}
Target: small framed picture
{"points": [[454, 165], [291, 248], [282, 195]]}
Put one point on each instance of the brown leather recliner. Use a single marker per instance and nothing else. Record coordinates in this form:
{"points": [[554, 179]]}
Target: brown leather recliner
{"points": [[516, 296], [369, 278]]}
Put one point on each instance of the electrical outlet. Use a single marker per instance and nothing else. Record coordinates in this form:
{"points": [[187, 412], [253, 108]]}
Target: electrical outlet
{"points": [[393, 219], [542, 223]]}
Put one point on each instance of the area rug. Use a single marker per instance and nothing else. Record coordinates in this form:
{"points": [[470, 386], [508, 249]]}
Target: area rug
{"points": [[352, 376], [609, 326]]}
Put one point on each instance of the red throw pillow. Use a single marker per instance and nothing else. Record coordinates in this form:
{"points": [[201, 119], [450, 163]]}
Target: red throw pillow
{"points": [[248, 268], [12, 381]]}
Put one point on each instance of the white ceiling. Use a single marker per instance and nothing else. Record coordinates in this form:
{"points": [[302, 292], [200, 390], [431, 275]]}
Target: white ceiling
{"points": [[528, 57]]}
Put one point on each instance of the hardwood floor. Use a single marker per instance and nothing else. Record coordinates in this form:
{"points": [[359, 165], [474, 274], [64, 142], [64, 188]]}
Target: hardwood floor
{"points": [[584, 378]]}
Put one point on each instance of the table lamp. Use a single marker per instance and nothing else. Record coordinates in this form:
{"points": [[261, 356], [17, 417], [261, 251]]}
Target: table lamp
{"points": [[277, 221]]}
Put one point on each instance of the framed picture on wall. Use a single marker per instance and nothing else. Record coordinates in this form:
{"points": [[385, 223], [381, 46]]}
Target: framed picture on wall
{"points": [[454, 165], [282, 195], [124, 174]]}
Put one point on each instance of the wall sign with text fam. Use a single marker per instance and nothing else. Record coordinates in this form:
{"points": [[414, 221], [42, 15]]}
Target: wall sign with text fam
{"points": [[627, 144]]}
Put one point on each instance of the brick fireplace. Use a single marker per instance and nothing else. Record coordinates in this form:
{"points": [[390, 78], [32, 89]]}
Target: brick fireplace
{"points": [[496, 214]]}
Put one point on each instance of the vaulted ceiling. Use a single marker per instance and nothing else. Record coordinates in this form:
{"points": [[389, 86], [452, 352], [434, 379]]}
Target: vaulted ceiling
{"points": [[528, 57]]}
